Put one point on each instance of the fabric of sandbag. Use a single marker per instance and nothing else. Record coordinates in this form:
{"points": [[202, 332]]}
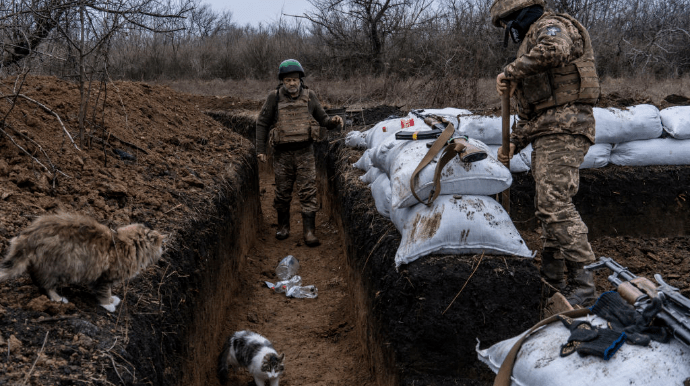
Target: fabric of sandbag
{"points": [[364, 162], [456, 225], [385, 129], [660, 151], [370, 176], [356, 139], [487, 129], [676, 121], [381, 191], [539, 362], [632, 124], [484, 177], [517, 164], [597, 156], [383, 154], [446, 112]]}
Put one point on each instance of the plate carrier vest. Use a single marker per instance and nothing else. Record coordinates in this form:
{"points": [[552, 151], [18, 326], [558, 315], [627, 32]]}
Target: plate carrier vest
{"points": [[574, 82], [295, 123]]}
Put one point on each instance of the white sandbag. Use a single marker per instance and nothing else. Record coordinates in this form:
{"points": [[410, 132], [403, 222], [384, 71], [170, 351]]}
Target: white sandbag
{"points": [[356, 139], [660, 151], [517, 164], [676, 121], [483, 128], [597, 156], [381, 191], [539, 362], [383, 154], [364, 162], [635, 123], [371, 175], [386, 129], [446, 112], [456, 225], [484, 177]]}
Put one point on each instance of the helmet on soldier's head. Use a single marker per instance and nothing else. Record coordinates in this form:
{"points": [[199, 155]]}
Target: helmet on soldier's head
{"points": [[288, 66], [503, 8]]}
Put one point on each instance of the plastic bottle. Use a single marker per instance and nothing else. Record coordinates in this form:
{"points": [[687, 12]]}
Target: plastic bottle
{"points": [[287, 267], [308, 291]]}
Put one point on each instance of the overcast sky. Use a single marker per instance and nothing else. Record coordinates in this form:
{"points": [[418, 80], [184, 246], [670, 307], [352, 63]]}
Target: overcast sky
{"points": [[259, 11]]}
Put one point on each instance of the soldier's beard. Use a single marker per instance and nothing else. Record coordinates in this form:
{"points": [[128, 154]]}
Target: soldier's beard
{"points": [[292, 89]]}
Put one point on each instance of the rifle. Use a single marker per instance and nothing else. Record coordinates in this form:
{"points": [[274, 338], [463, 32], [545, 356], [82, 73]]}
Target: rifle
{"points": [[442, 130], [639, 291]]}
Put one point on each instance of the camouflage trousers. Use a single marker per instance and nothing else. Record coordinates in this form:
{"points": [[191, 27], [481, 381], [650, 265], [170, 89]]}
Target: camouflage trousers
{"points": [[295, 166], [555, 166]]}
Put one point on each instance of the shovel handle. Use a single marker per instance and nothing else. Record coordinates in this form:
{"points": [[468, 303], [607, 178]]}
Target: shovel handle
{"points": [[505, 142]]}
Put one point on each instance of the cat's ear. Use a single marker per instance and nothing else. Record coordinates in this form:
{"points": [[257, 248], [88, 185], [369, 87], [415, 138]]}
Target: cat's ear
{"points": [[159, 236], [282, 356]]}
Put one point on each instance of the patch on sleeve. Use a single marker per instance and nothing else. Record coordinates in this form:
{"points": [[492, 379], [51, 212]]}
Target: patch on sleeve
{"points": [[552, 31]]}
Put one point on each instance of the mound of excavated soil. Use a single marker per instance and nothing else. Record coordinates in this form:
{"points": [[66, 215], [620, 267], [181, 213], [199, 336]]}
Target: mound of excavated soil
{"points": [[150, 155]]}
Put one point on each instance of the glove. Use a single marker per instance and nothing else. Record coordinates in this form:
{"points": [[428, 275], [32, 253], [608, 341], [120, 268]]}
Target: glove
{"points": [[589, 340], [622, 317]]}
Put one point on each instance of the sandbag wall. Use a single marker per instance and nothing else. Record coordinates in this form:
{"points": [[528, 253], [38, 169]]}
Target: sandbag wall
{"points": [[418, 315]]}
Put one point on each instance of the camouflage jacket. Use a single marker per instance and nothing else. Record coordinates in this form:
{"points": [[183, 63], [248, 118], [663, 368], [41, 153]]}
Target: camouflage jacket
{"points": [[268, 115], [552, 41]]}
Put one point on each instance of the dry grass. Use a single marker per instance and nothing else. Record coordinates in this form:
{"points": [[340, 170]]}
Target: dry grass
{"points": [[420, 92]]}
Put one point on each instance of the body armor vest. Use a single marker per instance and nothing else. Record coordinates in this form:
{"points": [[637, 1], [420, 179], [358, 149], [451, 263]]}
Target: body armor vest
{"points": [[575, 82], [295, 123]]}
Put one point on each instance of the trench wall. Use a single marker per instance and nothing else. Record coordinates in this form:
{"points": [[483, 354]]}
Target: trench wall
{"points": [[204, 261], [647, 201]]}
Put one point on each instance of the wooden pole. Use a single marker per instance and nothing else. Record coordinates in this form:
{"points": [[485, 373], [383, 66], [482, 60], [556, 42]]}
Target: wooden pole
{"points": [[505, 146]]}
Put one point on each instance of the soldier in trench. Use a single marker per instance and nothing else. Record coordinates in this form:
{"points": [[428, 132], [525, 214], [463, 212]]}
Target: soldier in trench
{"points": [[290, 120], [556, 86]]}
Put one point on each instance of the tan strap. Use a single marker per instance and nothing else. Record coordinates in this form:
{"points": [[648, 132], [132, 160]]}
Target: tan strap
{"points": [[438, 145], [506, 370], [449, 152]]}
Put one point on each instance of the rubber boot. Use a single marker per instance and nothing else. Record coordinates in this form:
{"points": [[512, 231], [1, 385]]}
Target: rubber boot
{"points": [[553, 269], [283, 225], [309, 221], [580, 290]]}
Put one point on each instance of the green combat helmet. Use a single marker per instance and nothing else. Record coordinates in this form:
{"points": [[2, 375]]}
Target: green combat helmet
{"points": [[500, 9], [288, 66]]}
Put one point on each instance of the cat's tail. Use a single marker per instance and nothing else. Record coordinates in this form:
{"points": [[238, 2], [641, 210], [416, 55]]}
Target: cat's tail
{"points": [[224, 362], [15, 263]]}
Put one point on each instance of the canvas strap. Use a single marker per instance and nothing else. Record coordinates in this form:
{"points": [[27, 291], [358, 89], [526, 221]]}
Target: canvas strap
{"points": [[441, 143], [506, 370]]}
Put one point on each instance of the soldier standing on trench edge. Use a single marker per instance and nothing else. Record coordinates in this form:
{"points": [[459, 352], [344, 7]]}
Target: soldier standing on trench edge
{"points": [[556, 86], [296, 115]]}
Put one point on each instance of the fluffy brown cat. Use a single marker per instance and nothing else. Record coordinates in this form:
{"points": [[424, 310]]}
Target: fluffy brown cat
{"points": [[62, 249]]}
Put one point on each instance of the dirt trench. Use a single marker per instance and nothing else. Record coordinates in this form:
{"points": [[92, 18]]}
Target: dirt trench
{"points": [[319, 336]]}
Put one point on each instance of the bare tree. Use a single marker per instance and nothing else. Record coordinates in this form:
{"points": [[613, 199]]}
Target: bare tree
{"points": [[359, 29]]}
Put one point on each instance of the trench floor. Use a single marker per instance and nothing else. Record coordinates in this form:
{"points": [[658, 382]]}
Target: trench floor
{"points": [[318, 336]]}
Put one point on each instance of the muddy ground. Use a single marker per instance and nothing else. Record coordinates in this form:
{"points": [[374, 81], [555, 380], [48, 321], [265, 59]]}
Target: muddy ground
{"points": [[176, 163]]}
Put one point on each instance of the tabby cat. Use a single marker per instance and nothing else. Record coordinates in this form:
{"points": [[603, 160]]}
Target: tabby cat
{"points": [[62, 249]]}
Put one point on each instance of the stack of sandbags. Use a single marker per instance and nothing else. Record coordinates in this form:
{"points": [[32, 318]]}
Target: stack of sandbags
{"points": [[463, 219]]}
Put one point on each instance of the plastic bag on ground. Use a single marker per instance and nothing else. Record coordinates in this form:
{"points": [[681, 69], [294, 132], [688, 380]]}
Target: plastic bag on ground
{"points": [[287, 268], [539, 362]]}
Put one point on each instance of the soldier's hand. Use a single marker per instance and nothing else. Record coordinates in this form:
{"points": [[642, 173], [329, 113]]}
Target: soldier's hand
{"points": [[502, 84], [262, 157], [337, 119], [502, 158]]}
